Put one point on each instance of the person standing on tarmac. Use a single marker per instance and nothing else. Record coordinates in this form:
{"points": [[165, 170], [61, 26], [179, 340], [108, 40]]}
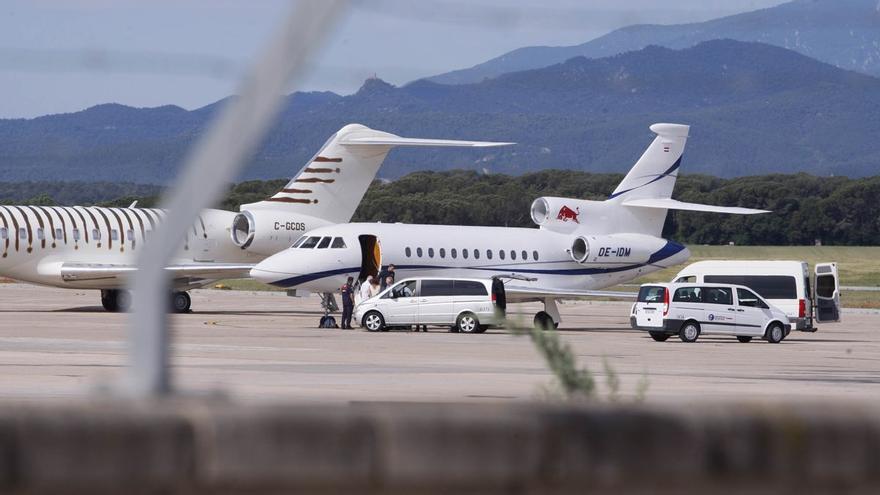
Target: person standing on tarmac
{"points": [[347, 303], [384, 276]]}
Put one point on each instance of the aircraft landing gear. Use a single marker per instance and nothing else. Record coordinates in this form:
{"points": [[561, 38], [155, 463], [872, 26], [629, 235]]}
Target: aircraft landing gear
{"points": [[180, 302], [328, 304], [116, 300], [549, 318]]}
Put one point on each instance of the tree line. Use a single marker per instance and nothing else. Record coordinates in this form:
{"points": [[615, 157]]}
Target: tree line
{"points": [[805, 208]]}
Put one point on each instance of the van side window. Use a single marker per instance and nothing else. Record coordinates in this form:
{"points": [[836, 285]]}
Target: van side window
{"points": [[469, 288], [437, 288], [748, 298], [338, 243], [403, 289], [686, 280], [768, 286], [325, 242], [651, 294], [408, 252], [717, 295], [688, 294]]}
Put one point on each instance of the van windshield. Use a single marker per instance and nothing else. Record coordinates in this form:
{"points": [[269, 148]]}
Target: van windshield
{"points": [[652, 294], [767, 286]]}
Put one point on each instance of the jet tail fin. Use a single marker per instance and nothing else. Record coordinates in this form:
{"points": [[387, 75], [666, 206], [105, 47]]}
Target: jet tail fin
{"points": [[331, 185]]}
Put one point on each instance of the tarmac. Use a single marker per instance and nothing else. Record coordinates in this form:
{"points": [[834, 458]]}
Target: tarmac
{"points": [[265, 346]]}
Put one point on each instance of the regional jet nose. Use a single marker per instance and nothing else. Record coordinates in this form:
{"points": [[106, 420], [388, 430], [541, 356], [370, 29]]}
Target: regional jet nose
{"points": [[273, 271]]}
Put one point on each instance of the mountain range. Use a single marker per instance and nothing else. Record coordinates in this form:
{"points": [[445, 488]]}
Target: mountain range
{"points": [[844, 33], [754, 109]]}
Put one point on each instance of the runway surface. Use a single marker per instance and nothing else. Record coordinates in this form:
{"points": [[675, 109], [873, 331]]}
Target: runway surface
{"points": [[58, 343]]}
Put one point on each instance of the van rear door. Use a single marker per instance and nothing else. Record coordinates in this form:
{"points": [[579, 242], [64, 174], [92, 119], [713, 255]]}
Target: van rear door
{"points": [[650, 306], [827, 292]]}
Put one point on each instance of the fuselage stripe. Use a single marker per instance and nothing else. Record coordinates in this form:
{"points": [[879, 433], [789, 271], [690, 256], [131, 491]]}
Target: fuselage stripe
{"points": [[5, 226], [121, 227], [14, 224], [63, 222], [106, 221], [27, 223], [85, 223], [42, 226]]}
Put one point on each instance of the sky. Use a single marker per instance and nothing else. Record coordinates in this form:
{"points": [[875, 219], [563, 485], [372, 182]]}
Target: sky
{"points": [[60, 56]]}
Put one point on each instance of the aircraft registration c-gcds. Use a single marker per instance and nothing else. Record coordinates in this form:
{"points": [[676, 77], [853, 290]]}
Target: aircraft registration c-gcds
{"points": [[95, 248], [579, 248]]}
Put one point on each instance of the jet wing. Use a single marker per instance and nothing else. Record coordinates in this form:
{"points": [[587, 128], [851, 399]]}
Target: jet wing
{"points": [[522, 294], [672, 204], [77, 272]]}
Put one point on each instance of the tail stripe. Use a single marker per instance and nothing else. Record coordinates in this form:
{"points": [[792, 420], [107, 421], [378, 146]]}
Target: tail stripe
{"points": [[325, 159], [667, 173]]}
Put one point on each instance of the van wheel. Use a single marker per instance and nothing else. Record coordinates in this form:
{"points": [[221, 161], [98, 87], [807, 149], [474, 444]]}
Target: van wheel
{"points": [[374, 322], [689, 332], [775, 333], [659, 336], [467, 323], [745, 339]]}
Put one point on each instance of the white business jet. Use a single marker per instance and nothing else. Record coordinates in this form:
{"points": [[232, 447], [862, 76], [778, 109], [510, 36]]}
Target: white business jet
{"points": [[81, 247], [580, 246]]}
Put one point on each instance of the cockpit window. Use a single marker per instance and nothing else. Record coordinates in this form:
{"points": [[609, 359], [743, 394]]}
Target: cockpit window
{"points": [[324, 242], [299, 242], [338, 243], [310, 243]]}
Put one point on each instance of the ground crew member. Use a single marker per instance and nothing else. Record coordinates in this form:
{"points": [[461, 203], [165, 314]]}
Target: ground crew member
{"points": [[347, 303]]}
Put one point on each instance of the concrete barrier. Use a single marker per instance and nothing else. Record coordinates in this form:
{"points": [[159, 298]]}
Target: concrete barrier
{"points": [[224, 447]]}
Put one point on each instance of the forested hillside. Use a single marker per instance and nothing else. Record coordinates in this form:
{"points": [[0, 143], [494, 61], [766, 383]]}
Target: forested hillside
{"points": [[835, 211]]}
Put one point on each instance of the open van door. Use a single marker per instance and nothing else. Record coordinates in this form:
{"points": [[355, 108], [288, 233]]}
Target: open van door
{"points": [[827, 293]]}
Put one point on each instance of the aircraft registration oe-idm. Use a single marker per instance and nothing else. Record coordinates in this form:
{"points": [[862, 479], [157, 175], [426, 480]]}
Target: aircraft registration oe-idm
{"points": [[87, 247], [580, 247]]}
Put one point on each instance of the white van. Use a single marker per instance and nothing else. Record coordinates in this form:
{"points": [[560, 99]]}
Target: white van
{"points": [[690, 310], [784, 284], [465, 305]]}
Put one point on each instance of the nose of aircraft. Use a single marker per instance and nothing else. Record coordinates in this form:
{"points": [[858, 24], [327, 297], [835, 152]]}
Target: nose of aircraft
{"points": [[273, 270]]}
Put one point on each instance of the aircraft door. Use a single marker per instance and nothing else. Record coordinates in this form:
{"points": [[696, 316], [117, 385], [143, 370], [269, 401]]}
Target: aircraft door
{"points": [[371, 256], [827, 293]]}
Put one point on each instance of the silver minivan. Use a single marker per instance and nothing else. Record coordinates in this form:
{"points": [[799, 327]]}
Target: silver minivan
{"points": [[690, 310], [464, 305]]}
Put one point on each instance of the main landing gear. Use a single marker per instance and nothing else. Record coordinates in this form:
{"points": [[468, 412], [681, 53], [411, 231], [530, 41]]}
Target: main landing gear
{"points": [[119, 301], [549, 318]]}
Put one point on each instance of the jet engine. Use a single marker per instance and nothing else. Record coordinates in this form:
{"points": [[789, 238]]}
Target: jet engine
{"points": [[611, 249], [560, 214], [267, 231]]}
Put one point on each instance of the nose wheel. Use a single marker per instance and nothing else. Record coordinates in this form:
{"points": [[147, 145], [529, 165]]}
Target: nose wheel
{"points": [[116, 300]]}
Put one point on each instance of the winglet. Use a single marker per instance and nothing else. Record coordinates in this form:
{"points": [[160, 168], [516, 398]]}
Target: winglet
{"points": [[133, 204]]}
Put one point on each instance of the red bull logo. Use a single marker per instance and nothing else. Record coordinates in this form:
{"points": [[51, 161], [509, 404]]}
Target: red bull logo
{"points": [[566, 214]]}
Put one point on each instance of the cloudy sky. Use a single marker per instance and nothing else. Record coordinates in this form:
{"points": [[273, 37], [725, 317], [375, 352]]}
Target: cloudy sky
{"points": [[65, 55]]}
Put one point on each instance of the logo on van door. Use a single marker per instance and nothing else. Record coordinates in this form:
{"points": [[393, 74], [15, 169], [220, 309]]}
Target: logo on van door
{"points": [[711, 317]]}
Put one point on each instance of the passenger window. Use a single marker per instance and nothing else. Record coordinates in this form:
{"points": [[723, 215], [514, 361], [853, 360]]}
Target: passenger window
{"points": [[310, 243], [453, 253], [476, 254], [324, 242], [40, 234], [4, 233], [501, 253], [525, 256], [430, 252], [469, 288], [22, 233], [338, 243], [403, 289], [59, 234], [512, 254], [464, 253], [299, 242], [419, 252], [437, 288], [114, 235], [442, 252], [749, 299], [717, 295], [688, 294], [488, 254], [130, 234], [408, 252], [75, 234], [535, 255]]}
